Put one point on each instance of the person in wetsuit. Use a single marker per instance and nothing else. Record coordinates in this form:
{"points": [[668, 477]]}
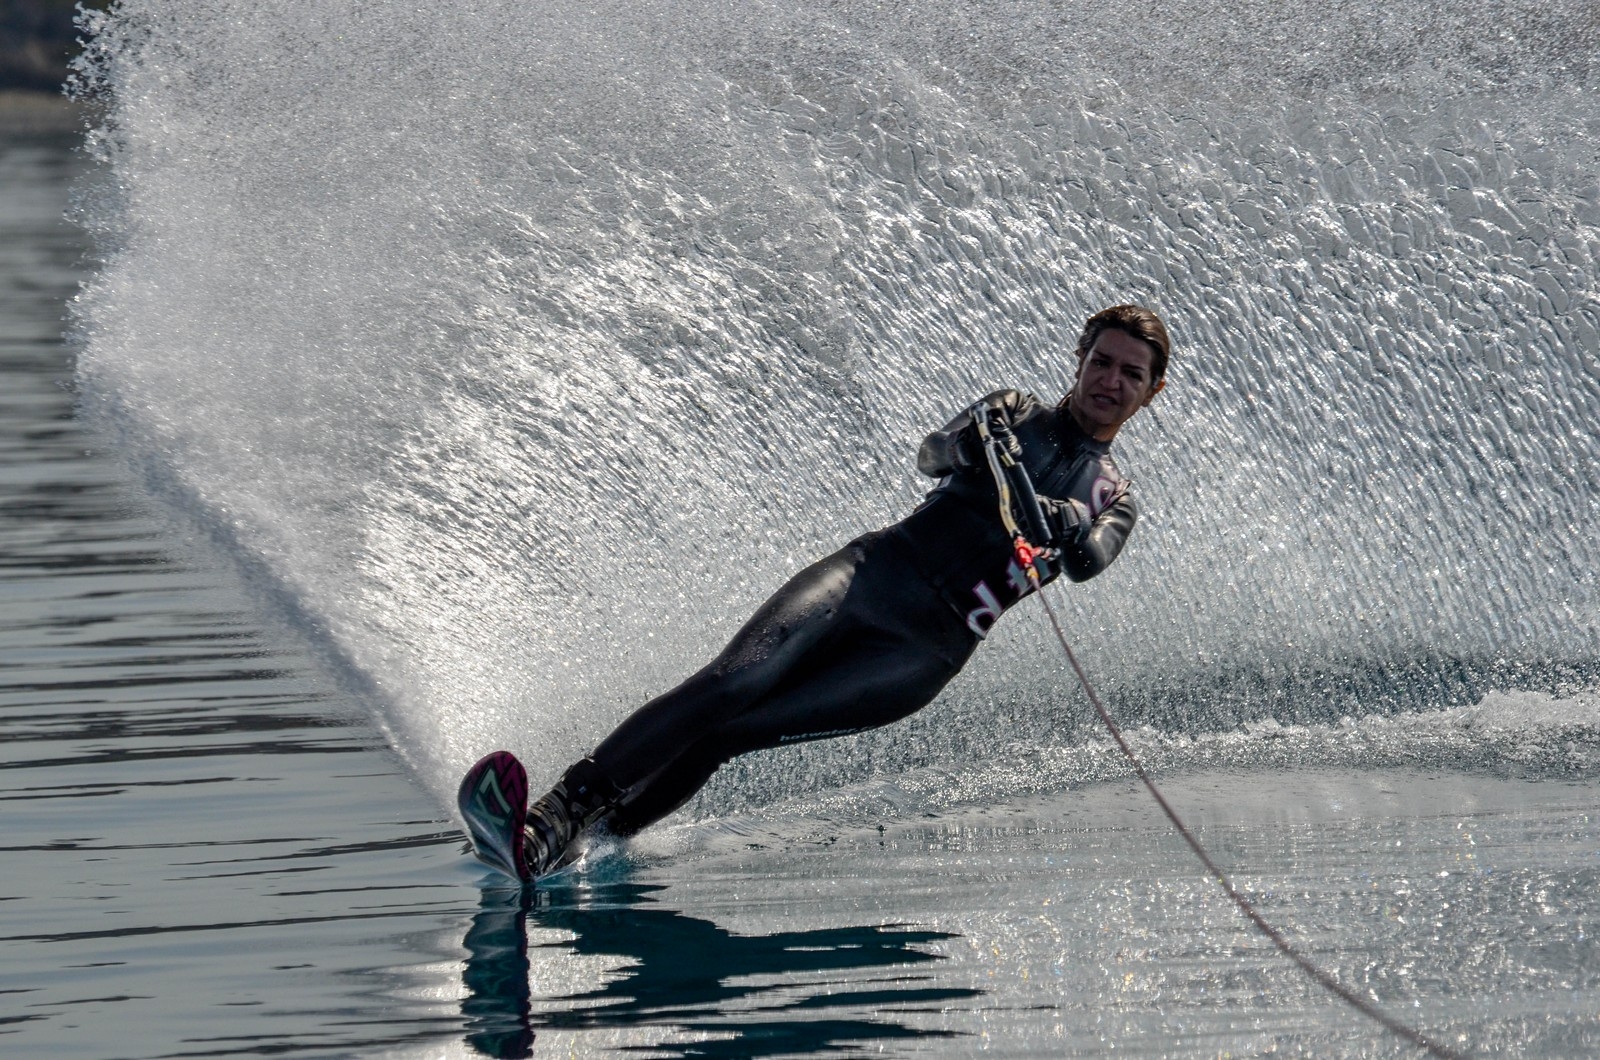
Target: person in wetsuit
{"points": [[872, 633]]}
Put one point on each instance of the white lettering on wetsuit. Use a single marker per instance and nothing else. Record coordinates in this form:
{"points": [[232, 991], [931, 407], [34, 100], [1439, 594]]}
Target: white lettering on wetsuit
{"points": [[990, 610], [1101, 494], [981, 619], [821, 735]]}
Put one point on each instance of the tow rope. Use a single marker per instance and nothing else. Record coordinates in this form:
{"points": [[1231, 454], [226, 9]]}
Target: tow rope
{"points": [[1016, 489]]}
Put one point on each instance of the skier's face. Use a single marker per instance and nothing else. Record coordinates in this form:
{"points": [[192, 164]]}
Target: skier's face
{"points": [[1115, 380]]}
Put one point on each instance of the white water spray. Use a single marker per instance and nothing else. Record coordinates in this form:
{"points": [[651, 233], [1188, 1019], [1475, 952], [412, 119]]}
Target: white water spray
{"points": [[526, 350]]}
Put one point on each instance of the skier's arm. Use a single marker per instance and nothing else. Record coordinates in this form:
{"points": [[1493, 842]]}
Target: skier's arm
{"points": [[1087, 547], [955, 446]]}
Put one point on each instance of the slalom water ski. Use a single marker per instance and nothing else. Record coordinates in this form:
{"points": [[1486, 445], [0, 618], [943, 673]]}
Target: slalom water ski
{"points": [[493, 800]]}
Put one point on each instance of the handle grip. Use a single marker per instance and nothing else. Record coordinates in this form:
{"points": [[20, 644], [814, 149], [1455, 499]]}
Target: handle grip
{"points": [[1034, 526]]}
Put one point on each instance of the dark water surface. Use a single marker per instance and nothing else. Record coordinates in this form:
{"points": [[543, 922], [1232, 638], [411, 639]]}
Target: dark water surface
{"points": [[203, 853], [208, 851]]}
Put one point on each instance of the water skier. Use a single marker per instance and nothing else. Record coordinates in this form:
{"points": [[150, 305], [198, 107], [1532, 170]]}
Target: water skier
{"points": [[870, 634]]}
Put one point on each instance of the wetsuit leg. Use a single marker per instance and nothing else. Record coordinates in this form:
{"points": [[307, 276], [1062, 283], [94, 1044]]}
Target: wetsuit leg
{"points": [[777, 637], [853, 642], [862, 684]]}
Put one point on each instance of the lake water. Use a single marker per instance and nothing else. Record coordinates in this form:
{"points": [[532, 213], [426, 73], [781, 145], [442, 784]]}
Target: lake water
{"points": [[324, 529]]}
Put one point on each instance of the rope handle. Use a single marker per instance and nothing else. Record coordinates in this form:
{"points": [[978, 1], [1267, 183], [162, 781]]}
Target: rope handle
{"points": [[1016, 490]]}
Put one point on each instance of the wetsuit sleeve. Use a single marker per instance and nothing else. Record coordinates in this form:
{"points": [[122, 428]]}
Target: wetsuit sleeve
{"points": [[1093, 552], [941, 451]]}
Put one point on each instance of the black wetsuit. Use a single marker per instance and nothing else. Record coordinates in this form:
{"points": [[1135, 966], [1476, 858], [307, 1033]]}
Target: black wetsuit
{"points": [[870, 634]]}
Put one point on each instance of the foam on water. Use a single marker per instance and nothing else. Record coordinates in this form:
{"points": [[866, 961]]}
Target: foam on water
{"points": [[521, 351], [1521, 735]]}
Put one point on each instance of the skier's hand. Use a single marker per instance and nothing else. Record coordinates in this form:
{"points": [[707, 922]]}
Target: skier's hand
{"points": [[1069, 520]]}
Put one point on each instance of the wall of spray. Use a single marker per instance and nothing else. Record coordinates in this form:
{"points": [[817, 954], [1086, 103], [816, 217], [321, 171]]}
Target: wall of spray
{"points": [[520, 353]]}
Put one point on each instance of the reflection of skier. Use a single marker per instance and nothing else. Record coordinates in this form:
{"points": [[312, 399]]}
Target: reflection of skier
{"points": [[871, 634], [777, 975]]}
